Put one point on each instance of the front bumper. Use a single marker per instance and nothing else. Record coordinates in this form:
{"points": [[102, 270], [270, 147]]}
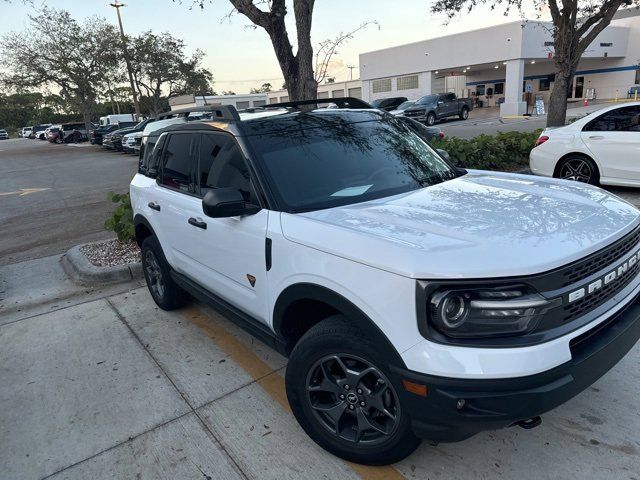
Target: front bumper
{"points": [[497, 403]]}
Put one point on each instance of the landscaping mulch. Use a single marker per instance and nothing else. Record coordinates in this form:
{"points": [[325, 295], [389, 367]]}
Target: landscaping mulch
{"points": [[111, 253]]}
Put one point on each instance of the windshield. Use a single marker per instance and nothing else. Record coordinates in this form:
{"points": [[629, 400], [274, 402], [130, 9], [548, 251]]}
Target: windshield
{"points": [[339, 162], [427, 99], [404, 105]]}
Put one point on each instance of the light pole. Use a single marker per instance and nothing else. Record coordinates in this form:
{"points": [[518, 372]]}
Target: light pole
{"points": [[351, 67], [136, 105]]}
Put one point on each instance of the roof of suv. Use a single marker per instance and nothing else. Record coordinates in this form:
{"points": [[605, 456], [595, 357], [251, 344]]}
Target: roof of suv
{"points": [[275, 117]]}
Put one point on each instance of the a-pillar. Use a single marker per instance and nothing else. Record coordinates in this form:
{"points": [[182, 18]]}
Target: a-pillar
{"points": [[513, 104]]}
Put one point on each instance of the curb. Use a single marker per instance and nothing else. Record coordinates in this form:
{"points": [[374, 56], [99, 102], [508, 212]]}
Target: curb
{"points": [[78, 267]]}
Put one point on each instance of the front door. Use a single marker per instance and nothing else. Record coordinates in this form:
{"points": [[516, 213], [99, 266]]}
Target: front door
{"points": [[227, 255], [614, 140]]}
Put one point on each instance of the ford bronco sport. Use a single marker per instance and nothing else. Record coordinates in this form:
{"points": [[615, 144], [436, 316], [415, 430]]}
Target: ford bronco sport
{"points": [[413, 298]]}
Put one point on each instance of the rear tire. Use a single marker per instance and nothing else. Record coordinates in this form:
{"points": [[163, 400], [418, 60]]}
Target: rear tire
{"points": [[164, 291], [356, 417], [578, 168], [464, 113]]}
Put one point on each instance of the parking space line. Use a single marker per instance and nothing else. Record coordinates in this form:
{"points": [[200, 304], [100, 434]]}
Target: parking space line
{"points": [[269, 379]]}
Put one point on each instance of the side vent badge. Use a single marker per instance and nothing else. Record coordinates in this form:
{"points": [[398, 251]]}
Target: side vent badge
{"points": [[252, 280]]}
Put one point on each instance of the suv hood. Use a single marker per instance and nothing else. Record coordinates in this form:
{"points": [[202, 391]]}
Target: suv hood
{"points": [[480, 225]]}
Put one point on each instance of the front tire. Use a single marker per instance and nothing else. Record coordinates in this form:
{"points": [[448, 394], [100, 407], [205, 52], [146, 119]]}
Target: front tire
{"points": [[164, 291], [431, 119], [344, 397], [464, 113], [578, 169]]}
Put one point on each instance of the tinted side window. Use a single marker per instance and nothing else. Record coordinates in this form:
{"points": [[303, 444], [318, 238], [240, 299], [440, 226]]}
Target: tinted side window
{"points": [[624, 119], [176, 163], [450, 97], [222, 165]]}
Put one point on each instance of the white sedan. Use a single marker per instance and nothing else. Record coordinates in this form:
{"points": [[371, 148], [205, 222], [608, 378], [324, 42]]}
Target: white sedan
{"points": [[602, 147]]}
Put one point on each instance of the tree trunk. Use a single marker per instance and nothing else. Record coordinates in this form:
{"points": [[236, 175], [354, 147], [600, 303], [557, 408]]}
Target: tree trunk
{"points": [[86, 117], [557, 115]]}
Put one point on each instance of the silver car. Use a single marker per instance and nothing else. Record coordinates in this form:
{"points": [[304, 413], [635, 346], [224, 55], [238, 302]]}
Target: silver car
{"points": [[4, 135]]}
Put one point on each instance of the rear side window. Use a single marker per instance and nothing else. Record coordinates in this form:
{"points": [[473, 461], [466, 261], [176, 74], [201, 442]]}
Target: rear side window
{"points": [[222, 165], [177, 160], [624, 119]]}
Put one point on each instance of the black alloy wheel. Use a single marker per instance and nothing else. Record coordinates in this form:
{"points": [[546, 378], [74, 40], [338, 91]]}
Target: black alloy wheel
{"points": [[352, 399], [578, 169]]}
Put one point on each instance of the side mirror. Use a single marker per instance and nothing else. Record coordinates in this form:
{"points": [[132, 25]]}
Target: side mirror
{"points": [[444, 154], [226, 202]]}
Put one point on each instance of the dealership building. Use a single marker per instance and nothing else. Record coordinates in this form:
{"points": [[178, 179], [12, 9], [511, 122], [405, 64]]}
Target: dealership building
{"points": [[498, 66]]}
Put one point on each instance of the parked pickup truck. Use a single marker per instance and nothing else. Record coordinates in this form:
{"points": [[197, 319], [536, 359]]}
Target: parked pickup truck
{"points": [[437, 106]]}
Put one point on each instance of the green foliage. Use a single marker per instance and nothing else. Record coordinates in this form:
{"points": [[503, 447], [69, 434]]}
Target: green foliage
{"points": [[505, 151], [121, 221]]}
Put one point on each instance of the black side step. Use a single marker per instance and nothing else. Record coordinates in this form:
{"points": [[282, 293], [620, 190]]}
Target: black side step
{"points": [[255, 327]]}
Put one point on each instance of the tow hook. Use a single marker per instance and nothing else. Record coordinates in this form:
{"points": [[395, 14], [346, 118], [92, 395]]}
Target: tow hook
{"points": [[530, 423]]}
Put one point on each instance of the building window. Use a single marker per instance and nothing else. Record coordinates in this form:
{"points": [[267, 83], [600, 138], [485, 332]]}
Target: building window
{"points": [[499, 88], [284, 99], [407, 83], [337, 93], [273, 100], [241, 105], [357, 92], [259, 103], [480, 90], [637, 76], [545, 85], [383, 85], [323, 94]]}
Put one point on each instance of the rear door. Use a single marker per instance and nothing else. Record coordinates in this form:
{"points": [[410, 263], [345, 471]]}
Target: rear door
{"points": [[614, 140], [176, 198]]}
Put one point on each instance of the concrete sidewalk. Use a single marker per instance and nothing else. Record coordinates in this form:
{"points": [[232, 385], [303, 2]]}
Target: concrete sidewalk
{"points": [[112, 387]]}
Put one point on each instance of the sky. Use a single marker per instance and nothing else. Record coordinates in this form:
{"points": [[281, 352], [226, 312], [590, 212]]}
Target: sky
{"points": [[241, 57]]}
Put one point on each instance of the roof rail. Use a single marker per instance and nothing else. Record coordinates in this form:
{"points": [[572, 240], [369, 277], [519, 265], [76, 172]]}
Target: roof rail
{"points": [[341, 102], [223, 112]]}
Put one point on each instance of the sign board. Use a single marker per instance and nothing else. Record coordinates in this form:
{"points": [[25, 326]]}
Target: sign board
{"points": [[591, 94], [539, 105], [528, 88]]}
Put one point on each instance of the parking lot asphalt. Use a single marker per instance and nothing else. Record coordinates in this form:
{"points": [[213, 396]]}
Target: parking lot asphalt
{"points": [[53, 197], [113, 387]]}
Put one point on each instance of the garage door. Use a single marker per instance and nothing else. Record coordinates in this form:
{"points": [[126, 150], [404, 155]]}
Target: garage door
{"points": [[355, 92]]}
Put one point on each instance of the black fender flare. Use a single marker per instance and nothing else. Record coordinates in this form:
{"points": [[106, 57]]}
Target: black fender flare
{"points": [[138, 220], [311, 291]]}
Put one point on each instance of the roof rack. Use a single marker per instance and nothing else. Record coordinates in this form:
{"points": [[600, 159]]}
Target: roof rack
{"points": [[222, 112], [341, 102]]}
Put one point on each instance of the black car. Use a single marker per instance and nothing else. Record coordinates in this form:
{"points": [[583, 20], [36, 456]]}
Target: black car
{"points": [[96, 135], [113, 140], [388, 104], [439, 106]]}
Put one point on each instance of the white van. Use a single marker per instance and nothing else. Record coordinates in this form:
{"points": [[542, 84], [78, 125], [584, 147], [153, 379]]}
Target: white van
{"points": [[110, 119]]}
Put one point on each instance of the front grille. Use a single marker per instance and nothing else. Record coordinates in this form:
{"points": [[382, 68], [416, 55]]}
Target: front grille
{"points": [[414, 114], [588, 303], [601, 259]]}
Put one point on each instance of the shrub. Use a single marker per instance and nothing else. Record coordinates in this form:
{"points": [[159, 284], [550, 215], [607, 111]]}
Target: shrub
{"points": [[504, 151], [121, 221]]}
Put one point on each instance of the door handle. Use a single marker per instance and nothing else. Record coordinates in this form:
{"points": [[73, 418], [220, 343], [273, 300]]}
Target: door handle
{"points": [[596, 137], [154, 206], [197, 223]]}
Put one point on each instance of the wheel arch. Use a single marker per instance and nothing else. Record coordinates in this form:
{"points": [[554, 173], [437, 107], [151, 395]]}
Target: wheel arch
{"points": [[143, 228], [301, 306]]}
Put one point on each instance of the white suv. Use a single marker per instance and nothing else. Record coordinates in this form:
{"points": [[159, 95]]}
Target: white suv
{"points": [[414, 299]]}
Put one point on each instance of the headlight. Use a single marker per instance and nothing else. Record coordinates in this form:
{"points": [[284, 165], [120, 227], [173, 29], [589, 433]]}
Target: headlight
{"points": [[486, 312]]}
